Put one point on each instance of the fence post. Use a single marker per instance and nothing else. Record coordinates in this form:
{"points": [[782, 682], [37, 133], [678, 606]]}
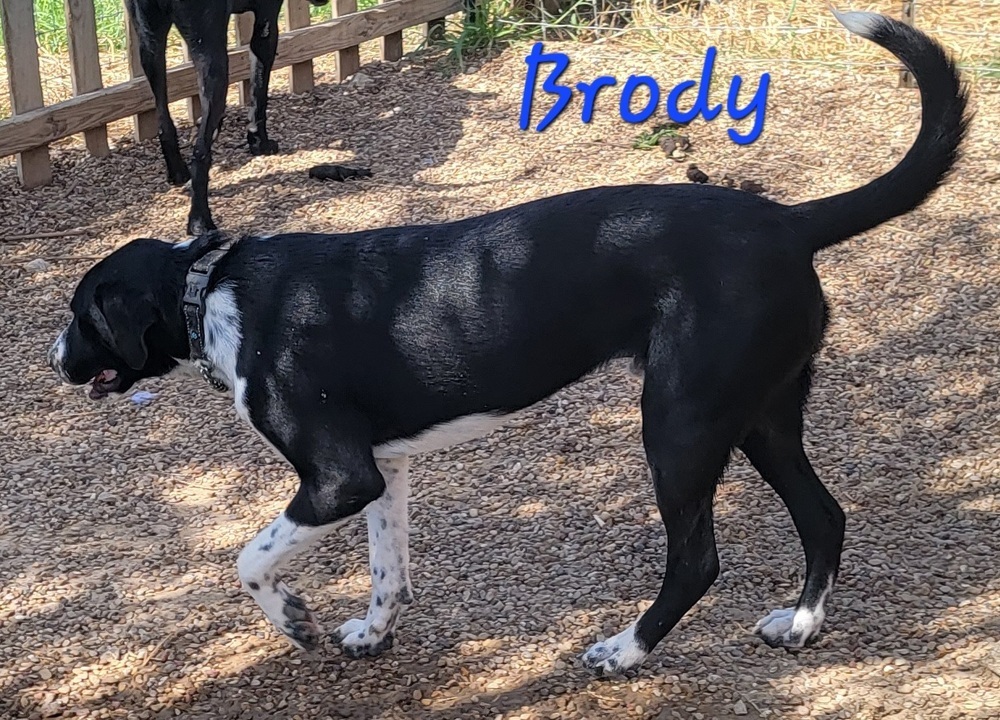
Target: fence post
{"points": [[349, 59], [85, 62], [244, 31], [392, 44], [906, 79], [301, 74], [21, 50], [144, 124]]}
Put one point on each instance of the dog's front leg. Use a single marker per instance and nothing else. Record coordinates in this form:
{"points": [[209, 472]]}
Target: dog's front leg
{"points": [[339, 478], [260, 565], [263, 46], [389, 561]]}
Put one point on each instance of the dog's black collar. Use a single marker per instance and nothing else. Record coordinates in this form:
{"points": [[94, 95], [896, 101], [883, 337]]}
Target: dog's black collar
{"points": [[195, 289]]}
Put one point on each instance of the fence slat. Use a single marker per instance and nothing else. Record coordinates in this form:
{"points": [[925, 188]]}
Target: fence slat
{"points": [[392, 44], [348, 59], [301, 77], [85, 63], [244, 31], [21, 50], [144, 123], [45, 125], [194, 101]]}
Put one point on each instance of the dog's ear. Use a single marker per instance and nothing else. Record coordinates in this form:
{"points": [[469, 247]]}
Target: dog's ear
{"points": [[122, 322]]}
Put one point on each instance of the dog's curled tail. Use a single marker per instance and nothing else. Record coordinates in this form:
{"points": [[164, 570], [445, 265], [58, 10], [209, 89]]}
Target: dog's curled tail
{"points": [[831, 220]]}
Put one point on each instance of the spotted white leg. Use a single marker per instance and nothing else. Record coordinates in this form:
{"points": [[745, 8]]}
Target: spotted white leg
{"points": [[389, 561], [259, 564]]}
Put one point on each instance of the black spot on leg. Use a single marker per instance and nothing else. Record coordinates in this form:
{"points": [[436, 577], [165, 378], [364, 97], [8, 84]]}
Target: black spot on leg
{"points": [[266, 547], [274, 531], [253, 586], [378, 601], [381, 574], [384, 524]]}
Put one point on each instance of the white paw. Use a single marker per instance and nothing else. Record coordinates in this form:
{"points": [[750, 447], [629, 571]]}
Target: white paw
{"points": [[358, 639], [789, 627], [615, 655]]}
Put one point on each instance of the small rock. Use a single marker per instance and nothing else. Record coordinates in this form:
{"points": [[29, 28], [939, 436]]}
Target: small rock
{"points": [[668, 145], [695, 174], [751, 186], [740, 708], [37, 265], [45, 674]]}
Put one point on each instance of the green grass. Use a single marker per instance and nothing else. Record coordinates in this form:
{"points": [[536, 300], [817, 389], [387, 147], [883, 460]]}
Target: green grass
{"points": [[647, 140], [50, 23]]}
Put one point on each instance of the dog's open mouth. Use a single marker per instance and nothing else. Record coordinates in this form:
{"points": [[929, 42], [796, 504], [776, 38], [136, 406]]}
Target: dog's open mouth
{"points": [[104, 383]]}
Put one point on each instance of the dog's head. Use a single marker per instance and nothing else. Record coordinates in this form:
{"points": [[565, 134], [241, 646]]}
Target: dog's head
{"points": [[127, 323]]}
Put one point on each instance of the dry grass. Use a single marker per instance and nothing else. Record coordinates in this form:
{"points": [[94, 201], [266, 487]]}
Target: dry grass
{"points": [[120, 524]]}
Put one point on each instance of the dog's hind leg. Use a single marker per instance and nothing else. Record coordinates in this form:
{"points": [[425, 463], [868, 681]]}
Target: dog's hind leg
{"points": [[263, 46], [212, 63], [688, 428], [151, 27], [775, 449], [389, 560]]}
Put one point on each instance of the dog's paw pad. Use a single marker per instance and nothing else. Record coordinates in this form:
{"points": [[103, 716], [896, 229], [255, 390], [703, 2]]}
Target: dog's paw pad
{"points": [[262, 147], [354, 625], [180, 177], [303, 634], [300, 626], [788, 627], [357, 640], [615, 655]]}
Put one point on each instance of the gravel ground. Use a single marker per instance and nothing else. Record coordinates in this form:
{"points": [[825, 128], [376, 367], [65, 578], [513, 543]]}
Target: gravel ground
{"points": [[120, 524]]}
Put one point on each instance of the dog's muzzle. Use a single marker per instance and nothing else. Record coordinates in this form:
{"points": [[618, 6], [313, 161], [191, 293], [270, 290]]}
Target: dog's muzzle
{"points": [[57, 355]]}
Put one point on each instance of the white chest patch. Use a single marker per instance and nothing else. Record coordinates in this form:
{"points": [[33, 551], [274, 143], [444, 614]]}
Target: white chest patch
{"points": [[222, 333], [439, 437]]}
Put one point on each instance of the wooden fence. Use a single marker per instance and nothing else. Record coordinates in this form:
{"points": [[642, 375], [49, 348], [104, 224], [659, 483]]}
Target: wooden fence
{"points": [[33, 125]]}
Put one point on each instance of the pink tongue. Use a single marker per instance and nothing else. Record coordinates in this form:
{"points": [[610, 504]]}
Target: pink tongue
{"points": [[106, 376]]}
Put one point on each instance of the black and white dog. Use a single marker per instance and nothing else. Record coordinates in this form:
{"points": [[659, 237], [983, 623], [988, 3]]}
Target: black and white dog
{"points": [[204, 25], [351, 352]]}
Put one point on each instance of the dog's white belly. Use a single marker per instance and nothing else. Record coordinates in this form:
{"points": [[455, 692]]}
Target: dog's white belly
{"points": [[439, 437]]}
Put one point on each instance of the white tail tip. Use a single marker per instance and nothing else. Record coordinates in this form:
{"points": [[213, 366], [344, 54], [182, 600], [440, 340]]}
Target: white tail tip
{"points": [[859, 23]]}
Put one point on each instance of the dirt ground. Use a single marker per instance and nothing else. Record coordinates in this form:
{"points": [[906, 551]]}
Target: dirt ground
{"points": [[120, 523]]}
